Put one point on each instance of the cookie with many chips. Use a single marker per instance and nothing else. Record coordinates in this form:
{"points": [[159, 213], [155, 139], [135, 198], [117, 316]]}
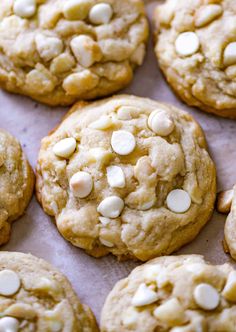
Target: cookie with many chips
{"points": [[59, 51], [34, 296], [16, 183], [128, 176], [196, 49], [173, 294]]}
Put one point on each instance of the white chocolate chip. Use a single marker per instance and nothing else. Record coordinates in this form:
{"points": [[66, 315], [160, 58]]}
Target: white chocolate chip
{"points": [[9, 324], [76, 9], [178, 201], [111, 207], [123, 142], [144, 296], [129, 317], [24, 8], [171, 312], [86, 50], [100, 13], [106, 243], [229, 291], [206, 297], [115, 177], [65, 147], [103, 123], [48, 47], [187, 43], [230, 54], [9, 282], [81, 184], [161, 123], [207, 14]]}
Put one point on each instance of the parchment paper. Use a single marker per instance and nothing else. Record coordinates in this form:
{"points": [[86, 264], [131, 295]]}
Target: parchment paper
{"points": [[35, 232]]}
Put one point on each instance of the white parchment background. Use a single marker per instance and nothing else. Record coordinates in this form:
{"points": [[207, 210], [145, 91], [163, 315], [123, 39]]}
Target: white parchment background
{"points": [[92, 278]]}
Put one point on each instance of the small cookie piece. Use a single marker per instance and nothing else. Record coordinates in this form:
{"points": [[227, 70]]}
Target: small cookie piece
{"points": [[16, 183], [34, 296], [224, 201], [136, 182], [196, 50], [60, 51], [196, 296], [227, 204]]}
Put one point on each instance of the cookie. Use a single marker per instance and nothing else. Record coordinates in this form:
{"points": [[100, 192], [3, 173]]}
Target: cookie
{"points": [[176, 294], [16, 183], [128, 176], [34, 296], [59, 51], [227, 204], [196, 49]]}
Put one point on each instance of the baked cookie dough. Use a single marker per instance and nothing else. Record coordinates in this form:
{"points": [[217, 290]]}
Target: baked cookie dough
{"points": [[16, 183], [35, 297], [227, 204], [176, 294], [128, 176], [59, 51], [196, 49]]}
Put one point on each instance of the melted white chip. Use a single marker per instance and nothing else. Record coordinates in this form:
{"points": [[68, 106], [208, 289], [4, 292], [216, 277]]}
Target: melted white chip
{"points": [[206, 297], [111, 207], [101, 124], [115, 177], [104, 221], [123, 142], [230, 54], [130, 317], [24, 8], [9, 282], [171, 312], [207, 14], [106, 243], [76, 9], [100, 13], [178, 201], [187, 43], [229, 291], [161, 123], [144, 296], [9, 324], [81, 184], [65, 147]]}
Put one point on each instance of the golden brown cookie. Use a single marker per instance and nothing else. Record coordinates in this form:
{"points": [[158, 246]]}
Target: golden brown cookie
{"points": [[36, 297], [16, 183], [227, 204], [128, 176], [59, 51], [175, 294], [196, 49]]}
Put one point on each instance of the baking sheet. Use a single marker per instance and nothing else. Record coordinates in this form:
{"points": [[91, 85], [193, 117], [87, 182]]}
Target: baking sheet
{"points": [[93, 278]]}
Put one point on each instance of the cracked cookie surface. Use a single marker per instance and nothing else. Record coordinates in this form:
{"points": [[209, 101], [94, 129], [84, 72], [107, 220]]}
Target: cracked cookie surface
{"points": [[16, 183], [176, 294], [128, 176], [59, 51], [35, 297], [196, 49]]}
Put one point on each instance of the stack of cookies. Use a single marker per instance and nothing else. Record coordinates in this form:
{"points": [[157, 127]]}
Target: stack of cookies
{"points": [[124, 175]]}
